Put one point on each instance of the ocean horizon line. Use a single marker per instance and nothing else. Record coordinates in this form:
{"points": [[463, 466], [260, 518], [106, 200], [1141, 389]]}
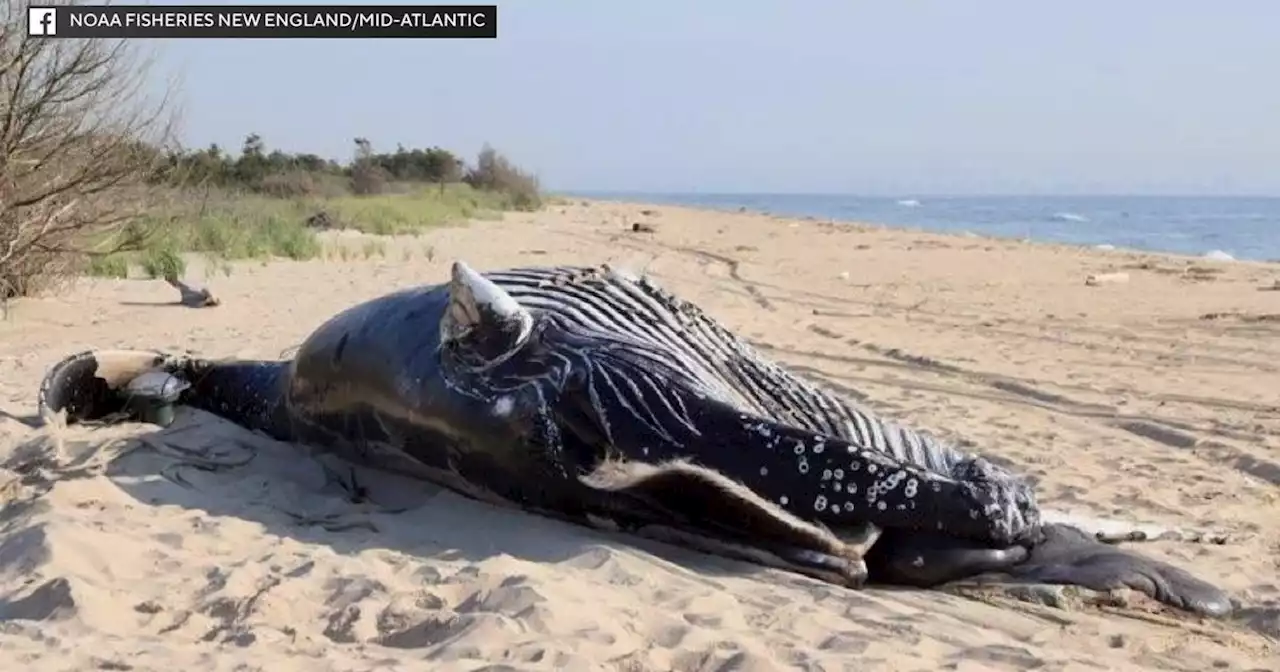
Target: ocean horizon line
{"points": [[596, 193]]}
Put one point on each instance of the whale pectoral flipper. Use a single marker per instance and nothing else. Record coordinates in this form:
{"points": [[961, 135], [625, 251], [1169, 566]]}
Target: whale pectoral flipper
{"points": [[1068, 555], [682, 503], [835, 482], [815, 477]]}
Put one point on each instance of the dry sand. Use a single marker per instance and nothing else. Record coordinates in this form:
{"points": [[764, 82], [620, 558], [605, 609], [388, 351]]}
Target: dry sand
{"points": [[1124, 399]]}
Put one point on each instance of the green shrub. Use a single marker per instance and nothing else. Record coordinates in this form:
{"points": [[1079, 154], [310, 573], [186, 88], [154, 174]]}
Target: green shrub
{"points": [[163, 263], [109, 266], [258, 206]]}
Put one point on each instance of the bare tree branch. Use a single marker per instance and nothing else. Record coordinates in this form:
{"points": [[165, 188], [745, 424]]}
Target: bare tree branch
{"points": [[81, 143]]}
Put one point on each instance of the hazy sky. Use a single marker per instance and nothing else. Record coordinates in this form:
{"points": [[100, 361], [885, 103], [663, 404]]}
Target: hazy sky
{"points": [[871, 97]]}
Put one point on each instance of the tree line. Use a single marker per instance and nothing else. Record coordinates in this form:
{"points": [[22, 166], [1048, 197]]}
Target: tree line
{"points": [[279, 173]]}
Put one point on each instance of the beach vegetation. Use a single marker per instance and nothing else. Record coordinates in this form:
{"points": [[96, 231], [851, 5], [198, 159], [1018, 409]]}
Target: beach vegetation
{"points": [[93, 180]]}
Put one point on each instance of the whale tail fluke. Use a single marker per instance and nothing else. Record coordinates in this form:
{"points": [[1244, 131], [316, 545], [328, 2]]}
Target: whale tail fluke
{"points": [[92, 386], [144, 385]]}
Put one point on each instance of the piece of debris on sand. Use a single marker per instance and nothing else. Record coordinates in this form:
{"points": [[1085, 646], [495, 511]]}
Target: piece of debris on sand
{"points": [[1106, 279], [193, 296], [323, 221]]}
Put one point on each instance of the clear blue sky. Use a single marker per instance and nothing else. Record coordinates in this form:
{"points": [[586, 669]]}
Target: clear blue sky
{"points": [[868, 97]]}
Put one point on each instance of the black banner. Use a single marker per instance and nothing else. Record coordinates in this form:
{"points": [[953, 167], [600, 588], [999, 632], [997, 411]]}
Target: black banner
{"points": [[259, 21]]}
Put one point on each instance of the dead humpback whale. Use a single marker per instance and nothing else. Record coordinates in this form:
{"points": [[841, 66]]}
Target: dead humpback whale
{"points": [[589, 395]]}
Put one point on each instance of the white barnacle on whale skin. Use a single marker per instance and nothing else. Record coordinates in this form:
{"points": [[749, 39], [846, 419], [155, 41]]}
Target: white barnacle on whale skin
{"points": [[820, 504], [753, 425], [891, 481], [503, 406]]}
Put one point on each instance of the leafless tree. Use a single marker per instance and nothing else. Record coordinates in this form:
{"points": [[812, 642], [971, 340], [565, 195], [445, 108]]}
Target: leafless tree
{"points": [[81, 141], [367, 177], [495, 172]]}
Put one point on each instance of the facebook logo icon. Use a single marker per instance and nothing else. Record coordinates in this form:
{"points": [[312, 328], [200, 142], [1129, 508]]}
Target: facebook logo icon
{"points": [[42, 21]]}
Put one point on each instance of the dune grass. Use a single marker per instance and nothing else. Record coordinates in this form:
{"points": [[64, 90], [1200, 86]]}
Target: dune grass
{"points": [[418, 210], [229, 226]]}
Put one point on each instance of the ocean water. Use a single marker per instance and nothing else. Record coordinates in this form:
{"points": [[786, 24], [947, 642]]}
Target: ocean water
{"points": [[1243, 227]]}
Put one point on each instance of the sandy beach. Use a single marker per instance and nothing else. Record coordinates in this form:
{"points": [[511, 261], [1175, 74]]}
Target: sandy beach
{"points": [[1154, 396]]}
